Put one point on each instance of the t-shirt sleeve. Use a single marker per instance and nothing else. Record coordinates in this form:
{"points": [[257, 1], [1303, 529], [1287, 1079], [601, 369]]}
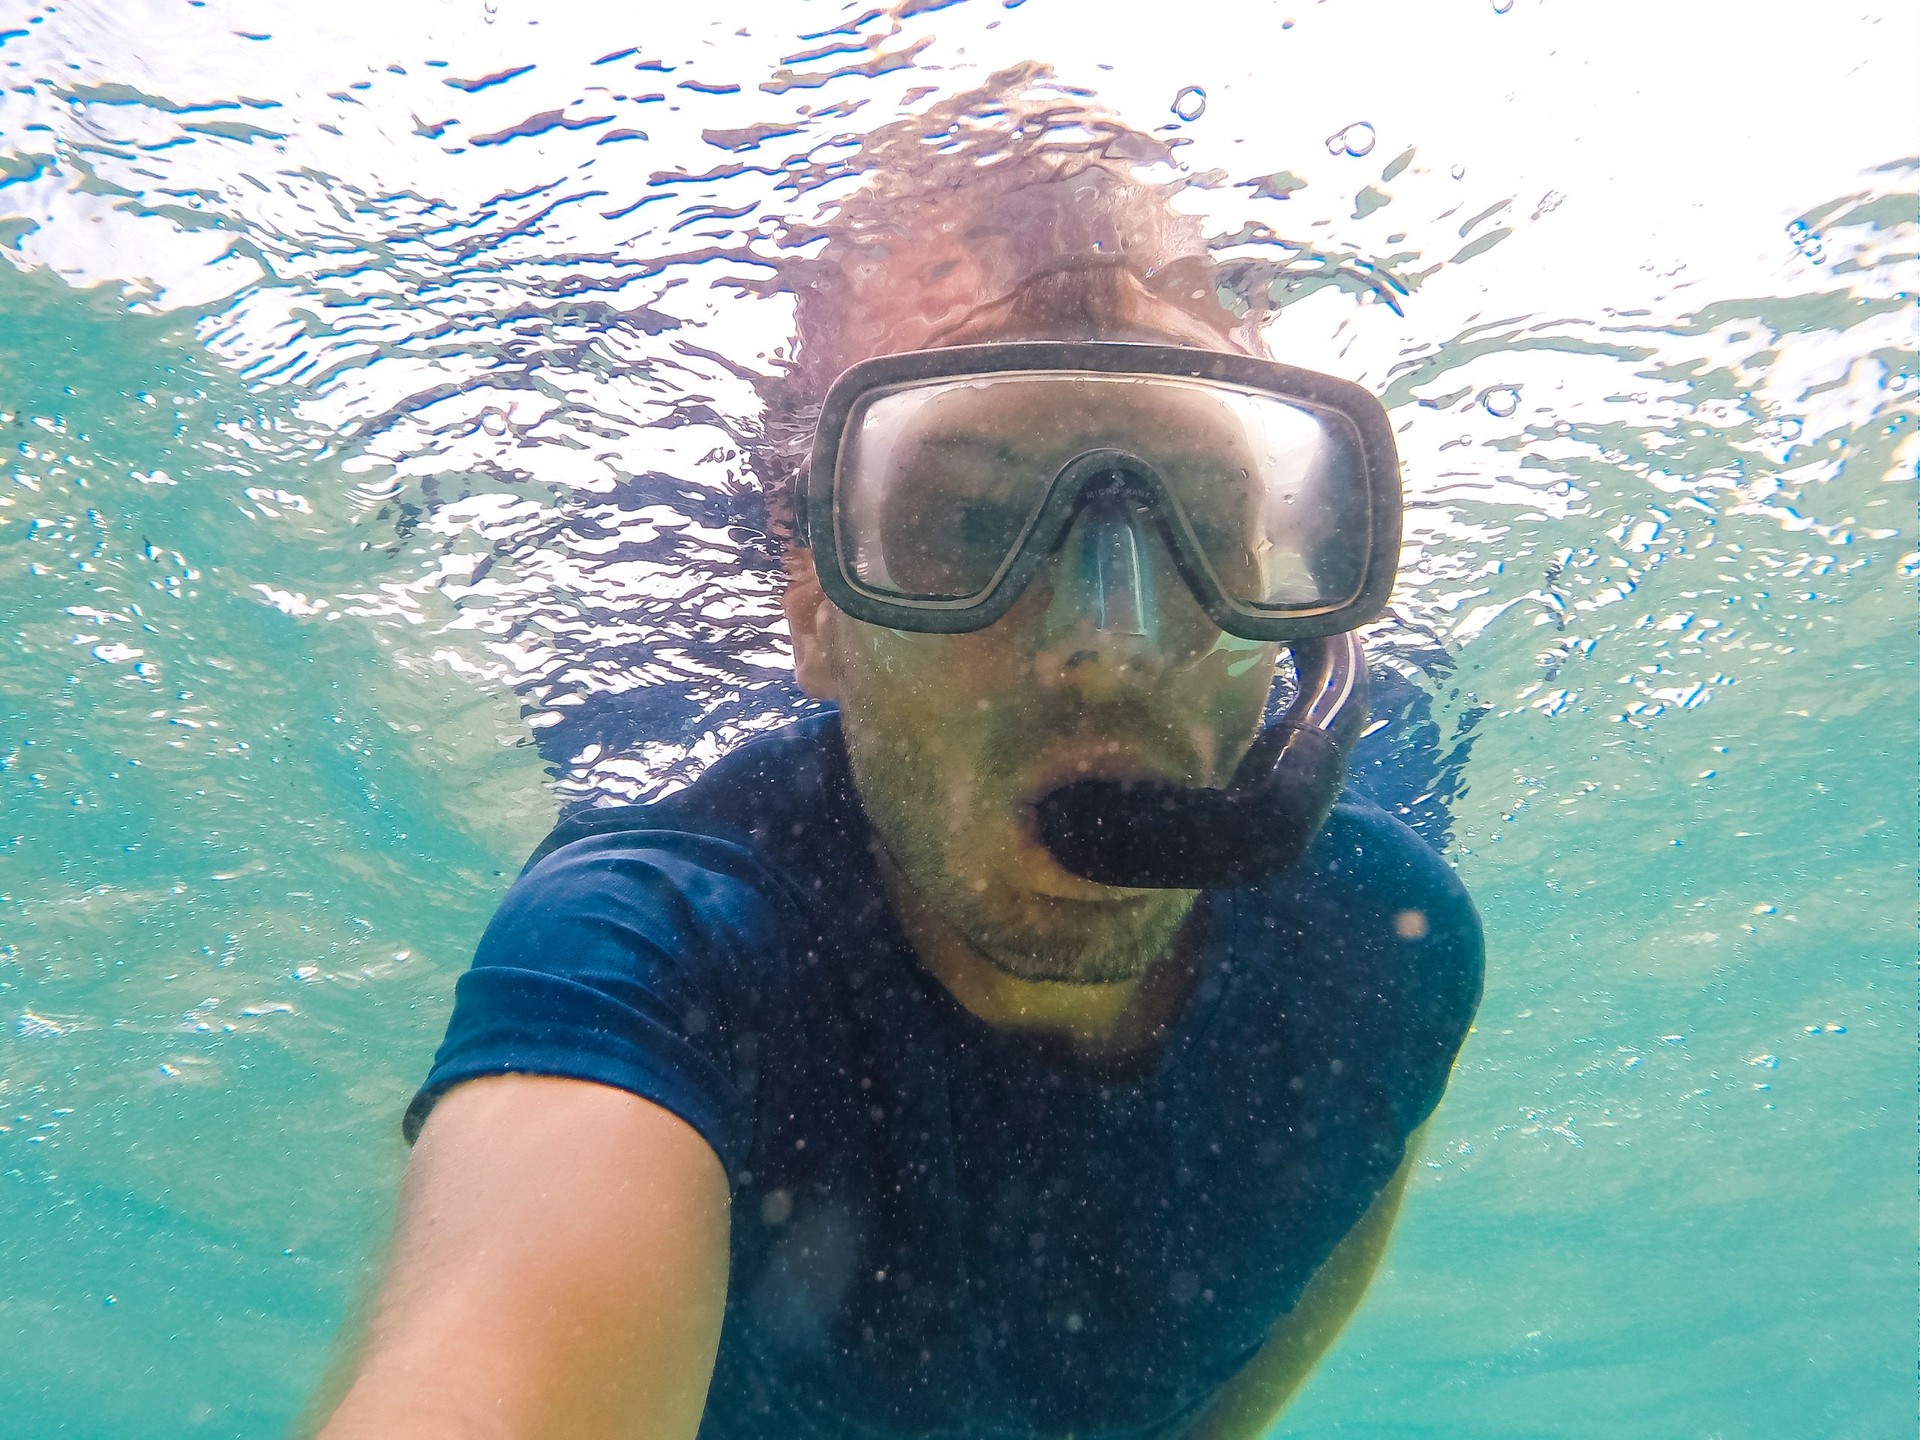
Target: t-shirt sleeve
{"points": [[1410, 957], [1442, 975], [614, 960]]}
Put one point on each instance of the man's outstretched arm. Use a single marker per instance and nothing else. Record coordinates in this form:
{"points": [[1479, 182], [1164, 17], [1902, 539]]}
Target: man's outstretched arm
{"points": [[559, 1270], [1248, 1405]]}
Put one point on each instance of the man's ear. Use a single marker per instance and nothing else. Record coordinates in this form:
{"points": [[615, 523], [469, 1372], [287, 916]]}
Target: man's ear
{"points": [[810, 618]]}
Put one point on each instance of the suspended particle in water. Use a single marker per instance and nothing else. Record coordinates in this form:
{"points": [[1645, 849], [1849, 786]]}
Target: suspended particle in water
{"points": [[1190, 103], [1500, 401], [1355, 140]]}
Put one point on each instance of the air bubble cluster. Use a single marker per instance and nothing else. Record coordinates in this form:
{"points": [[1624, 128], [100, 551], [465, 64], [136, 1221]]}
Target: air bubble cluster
{"points": [[1807, 241], [1356, 140]]}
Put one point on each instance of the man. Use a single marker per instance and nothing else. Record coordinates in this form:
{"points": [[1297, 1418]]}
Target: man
{"points": [[1007, 1053]]}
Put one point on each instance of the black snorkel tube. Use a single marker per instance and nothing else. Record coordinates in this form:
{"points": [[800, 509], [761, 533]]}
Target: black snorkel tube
{"points": [[1153, 834]]}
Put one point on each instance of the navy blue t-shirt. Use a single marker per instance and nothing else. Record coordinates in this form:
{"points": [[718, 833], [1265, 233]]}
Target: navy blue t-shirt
{"points": [[939, 1228]]}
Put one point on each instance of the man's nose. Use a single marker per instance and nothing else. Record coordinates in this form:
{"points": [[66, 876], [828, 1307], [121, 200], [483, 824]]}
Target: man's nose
{"points": [[1101, 631]]}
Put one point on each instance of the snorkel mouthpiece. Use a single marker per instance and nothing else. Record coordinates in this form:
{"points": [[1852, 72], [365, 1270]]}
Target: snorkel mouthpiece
{"points": [[1158, 835]]}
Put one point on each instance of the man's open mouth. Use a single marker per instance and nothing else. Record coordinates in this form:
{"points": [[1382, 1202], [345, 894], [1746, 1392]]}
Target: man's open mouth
{"points": [[1097, 762], [1101, 761]]}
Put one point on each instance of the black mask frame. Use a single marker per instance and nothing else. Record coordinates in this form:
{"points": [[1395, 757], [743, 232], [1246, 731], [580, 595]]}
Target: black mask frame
{"points": [[1349, 404]]}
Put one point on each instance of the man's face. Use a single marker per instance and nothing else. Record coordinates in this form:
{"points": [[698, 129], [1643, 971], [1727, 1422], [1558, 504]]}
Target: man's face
{"points": [[953, 738]]}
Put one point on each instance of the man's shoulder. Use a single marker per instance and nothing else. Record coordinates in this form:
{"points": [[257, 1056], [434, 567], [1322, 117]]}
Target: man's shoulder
{"points": [[744, 865], [1376, 911], [1363, 847], [759, 798]]}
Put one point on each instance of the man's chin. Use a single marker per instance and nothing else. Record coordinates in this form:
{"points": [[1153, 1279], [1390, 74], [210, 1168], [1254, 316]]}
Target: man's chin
{"points": [[1074, 942], [1051, 924]]}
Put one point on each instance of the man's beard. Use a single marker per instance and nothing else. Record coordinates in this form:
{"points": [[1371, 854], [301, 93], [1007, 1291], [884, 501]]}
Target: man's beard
{"points": [[1027, 936]]}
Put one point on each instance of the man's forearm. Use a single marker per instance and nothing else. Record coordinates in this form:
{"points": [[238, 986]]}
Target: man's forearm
{"points": [[559, 1272]]}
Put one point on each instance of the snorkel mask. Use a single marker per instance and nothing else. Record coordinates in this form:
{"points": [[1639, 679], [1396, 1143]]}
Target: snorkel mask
{"points": [[941, 482]]}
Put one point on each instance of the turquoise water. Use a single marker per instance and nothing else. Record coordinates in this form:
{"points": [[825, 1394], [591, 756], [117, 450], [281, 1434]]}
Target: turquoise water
{"points": [[371, 489]]}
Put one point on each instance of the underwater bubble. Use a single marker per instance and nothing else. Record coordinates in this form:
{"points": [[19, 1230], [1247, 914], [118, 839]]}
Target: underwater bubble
{"points": [[494, 423], [1190, 103], [489, 12], [1807, 241], [1500, 400], [1501, 7], [1459, 172], [1355, 140]]}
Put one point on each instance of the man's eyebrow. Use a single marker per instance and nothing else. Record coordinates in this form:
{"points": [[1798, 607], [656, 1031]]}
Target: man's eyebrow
{"points": [[1006, 450], [992, 447]]}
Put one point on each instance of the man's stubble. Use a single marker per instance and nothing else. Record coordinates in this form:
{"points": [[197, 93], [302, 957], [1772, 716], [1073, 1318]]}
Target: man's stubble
{"points": [[939, 830]]}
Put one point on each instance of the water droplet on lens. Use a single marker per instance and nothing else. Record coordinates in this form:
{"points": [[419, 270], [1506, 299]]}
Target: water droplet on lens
{"points": [[1190, 103], [1501, 400], [1356, 140]]}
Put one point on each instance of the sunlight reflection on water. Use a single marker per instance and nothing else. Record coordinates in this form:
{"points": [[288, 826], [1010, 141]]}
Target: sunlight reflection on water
{"points": [[496, 289]]}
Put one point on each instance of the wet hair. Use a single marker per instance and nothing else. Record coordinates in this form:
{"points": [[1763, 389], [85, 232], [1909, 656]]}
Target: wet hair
{"points": [[1016, 209]]}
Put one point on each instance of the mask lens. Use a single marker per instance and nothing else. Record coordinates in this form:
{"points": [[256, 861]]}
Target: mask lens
{"points": [[936, 490], [939, 483], [1274, 493]]}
